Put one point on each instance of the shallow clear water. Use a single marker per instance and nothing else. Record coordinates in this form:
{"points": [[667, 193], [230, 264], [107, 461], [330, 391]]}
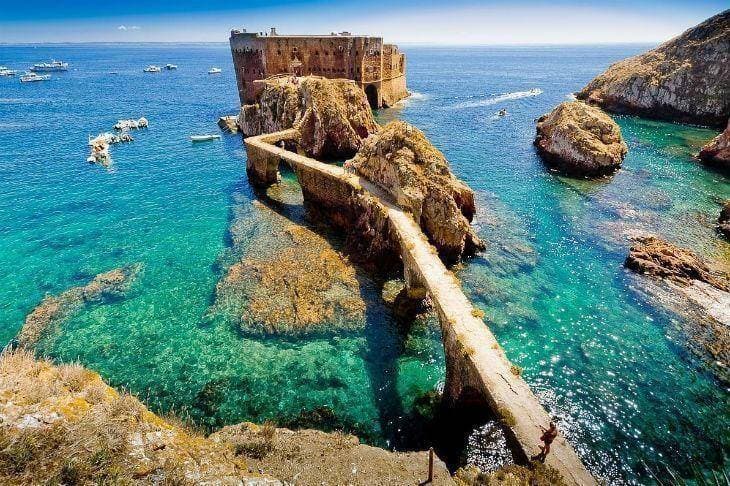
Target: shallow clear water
{"points": [[610, 365]]}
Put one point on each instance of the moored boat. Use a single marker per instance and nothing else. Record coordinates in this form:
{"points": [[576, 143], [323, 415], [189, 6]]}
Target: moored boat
{"points": [[204, 138], [170, 67], [152, 69], [32, 77], [7, 72], [214, 70], [50, 66]]}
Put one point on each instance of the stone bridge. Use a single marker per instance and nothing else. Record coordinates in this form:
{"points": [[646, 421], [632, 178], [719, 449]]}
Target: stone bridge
{"points": [[476, 366]]}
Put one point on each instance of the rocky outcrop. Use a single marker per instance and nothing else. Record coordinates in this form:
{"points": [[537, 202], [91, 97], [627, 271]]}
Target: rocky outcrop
{"points": [[54, 309], [717, 151], [652, 256], [686, 79], [580, 140], [228, 123], [723, 221], [332, 116], [690, 287], [401, 160]]}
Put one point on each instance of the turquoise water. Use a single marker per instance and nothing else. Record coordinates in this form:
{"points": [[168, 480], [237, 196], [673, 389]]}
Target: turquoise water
{"points": [[599, 355]]}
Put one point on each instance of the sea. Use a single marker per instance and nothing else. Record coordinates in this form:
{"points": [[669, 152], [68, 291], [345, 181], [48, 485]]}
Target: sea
{"points": [[611, 364]]}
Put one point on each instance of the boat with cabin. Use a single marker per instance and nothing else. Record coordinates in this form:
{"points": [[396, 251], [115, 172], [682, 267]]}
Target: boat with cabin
{"points": [[50, 66], [152, 69], [170, 67], [33, 77], [214, 70], [7, 72]]}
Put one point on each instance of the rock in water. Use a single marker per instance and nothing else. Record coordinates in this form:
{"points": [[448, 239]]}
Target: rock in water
{"points": [[723, 222], [401, 160], [580, 140], [686, 79], [54, 309], [652, 256], [332, 115], [717, 150]]}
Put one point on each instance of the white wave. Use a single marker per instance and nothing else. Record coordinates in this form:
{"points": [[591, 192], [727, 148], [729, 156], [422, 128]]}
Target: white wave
{"points": [[414, 96], [571, 96], [493, 100]]}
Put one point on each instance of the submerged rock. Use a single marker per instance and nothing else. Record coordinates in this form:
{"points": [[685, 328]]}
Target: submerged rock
{"points": [[723, 222], [303, 286], [580, 140], [54, 309], [686, 79], [401, 160], [717, 151], [332, 115]]}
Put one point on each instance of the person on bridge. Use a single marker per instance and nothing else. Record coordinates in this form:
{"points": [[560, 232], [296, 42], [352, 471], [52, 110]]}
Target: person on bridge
{"points": [[547, 437]]}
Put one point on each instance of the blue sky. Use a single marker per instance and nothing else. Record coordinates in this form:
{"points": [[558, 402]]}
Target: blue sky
{"points": [[426, 21]]}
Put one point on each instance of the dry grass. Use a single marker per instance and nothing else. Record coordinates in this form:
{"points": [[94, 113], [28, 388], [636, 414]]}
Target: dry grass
{"points": [[516, 370], [534, 474], [478, 313]]}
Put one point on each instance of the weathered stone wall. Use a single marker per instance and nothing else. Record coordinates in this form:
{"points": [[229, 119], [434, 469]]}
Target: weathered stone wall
{"points": [[364, 59]]}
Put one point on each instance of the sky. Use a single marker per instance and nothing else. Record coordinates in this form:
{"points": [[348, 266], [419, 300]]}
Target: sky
{"points": [[451, 22]]}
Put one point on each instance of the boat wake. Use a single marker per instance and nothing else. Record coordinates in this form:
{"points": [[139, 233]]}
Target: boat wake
{"points": [[493, 100]]}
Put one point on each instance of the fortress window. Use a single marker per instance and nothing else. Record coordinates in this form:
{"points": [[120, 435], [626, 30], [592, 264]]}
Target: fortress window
{"points": [[278, 51], [294, 49]]}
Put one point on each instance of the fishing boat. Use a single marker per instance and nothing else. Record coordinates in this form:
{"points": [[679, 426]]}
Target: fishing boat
{"points": [[152, 69], [50, 66], [204, 138], [214, 70], [32, 77], [170, 67]]}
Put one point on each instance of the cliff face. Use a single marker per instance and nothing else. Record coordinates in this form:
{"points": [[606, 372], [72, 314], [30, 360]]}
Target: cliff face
{"points": [[686, 79], [717, 151], [580, 140], [331, 115], [723, 221], [401, 160]]}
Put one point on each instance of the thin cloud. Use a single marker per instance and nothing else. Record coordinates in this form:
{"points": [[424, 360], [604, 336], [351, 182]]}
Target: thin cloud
{"points": [[131, 27]]}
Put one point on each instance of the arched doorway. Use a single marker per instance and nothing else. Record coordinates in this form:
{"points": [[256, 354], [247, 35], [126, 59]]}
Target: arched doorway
{"points": [[372, 93]]}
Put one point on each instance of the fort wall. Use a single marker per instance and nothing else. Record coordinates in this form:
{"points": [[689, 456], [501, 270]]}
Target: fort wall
{"points": [[364, 59]]}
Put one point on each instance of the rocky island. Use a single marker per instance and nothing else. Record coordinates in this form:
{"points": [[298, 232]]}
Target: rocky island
{"points": [[580, 140], [686, 79], [717, 151]]}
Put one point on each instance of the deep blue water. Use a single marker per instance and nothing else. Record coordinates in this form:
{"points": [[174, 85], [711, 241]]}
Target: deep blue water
{"points": [[612, 366]]}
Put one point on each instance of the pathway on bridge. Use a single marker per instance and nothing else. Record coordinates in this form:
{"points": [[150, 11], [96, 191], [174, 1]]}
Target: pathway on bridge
{"points": [[474, 359]]}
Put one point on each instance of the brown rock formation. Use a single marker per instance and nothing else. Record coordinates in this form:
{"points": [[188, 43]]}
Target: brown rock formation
{"points": [[686, 79], [401, 160], [723, 222], [717, 151], [655, 257], [580, 140], [54, 309], [331, 115], [314, 457], [303, 284]]}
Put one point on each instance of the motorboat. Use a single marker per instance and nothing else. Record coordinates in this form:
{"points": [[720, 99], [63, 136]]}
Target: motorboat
{"points": [[204, 138], [50, 66], [32, 77], [214, 70], [170, 67], [152, 69], [7, 72], [502, 112]]}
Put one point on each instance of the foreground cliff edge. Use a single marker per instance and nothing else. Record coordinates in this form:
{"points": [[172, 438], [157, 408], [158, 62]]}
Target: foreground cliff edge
{"points": [[686, 79], [64, 425]]}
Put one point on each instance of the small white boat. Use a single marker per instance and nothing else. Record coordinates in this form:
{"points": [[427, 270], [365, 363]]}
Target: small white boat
{"points": [[50, 66], [214, 70], [204, 138], [502, 112], [170, 67], [32, 77], [152, 69], [7, 72]]}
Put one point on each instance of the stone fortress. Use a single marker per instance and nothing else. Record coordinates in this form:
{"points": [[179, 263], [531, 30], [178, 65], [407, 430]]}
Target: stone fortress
{"points": [[378, 68]]}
